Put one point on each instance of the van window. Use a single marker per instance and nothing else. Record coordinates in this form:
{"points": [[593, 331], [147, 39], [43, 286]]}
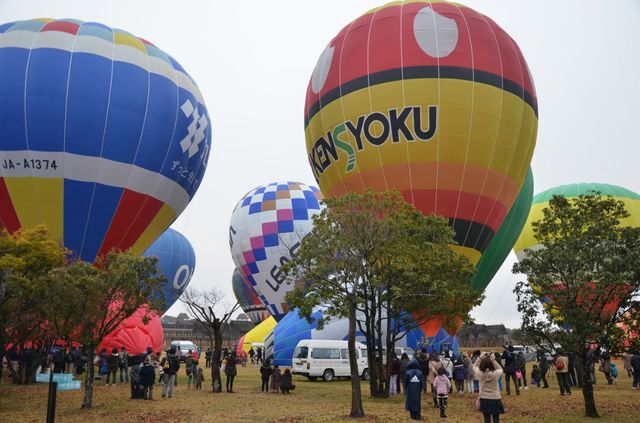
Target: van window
{"points": [[324, 353], [345, 354], [301, 352], [363, 352]]}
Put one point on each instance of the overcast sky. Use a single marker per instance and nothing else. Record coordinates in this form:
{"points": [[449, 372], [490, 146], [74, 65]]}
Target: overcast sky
{"points": [[253, 60]]}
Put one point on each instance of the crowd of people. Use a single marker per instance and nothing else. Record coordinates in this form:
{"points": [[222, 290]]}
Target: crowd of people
{"points": [[485, 375], [488, 374]]}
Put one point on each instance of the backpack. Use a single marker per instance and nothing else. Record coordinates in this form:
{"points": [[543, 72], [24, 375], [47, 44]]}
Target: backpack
{"points": [[174, 363], [559, 364]]}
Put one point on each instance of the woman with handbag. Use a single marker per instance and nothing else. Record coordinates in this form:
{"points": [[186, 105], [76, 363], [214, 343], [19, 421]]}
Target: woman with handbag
{"points": [[489, 401]]}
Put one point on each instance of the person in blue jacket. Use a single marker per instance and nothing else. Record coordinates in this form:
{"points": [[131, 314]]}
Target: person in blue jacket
{"points": [[414, 382]]}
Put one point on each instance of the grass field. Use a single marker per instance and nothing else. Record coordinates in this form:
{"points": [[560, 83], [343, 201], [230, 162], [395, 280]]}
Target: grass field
{"points": [[311, 402]]}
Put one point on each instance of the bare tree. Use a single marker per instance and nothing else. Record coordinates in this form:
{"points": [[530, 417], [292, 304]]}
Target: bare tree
{"points": [[212, 313]]}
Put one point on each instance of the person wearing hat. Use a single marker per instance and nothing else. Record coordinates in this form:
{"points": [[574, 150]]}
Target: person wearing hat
{"points": [[147, 378]]}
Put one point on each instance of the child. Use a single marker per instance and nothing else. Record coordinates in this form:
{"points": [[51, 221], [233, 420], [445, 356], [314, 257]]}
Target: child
{"points": [[442, 385], [134, 376], [285, 382], [536, 376], [199, 378], [614, 372], [275, 379]]}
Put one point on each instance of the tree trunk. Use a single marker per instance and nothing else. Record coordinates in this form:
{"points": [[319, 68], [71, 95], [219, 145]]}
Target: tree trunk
{"points": [[216, 381], [356, 394], [587, 388], [88, 381], [2, 359], [579, 371]]}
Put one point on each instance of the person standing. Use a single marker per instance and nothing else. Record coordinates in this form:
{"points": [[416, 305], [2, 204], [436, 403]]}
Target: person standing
{"points": [[259, 355], [635, 367], [404, 363], [285, 382], [123, 357], [394, 369], [561, 367], [276, 379], [231, 371], [199, 378], [627, 363], [265, 372], [189, 368], [543, 364], [147, 378], [113, 363], [488, 371], [459, 375], [413, 383], [171, 365], [521, 366], [423, 364], [442, 384], [510, 369], [207, 358], [434, 365], [466, 361], [252, 356], [535, 375], [605, 367]]}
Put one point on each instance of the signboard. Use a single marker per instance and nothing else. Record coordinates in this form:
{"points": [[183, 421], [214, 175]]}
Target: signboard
{"points": [[65, 380]]}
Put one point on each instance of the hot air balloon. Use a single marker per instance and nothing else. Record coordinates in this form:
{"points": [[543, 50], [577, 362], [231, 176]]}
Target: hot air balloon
{"points": [[292, 329], [255, 335], [267, 227], [105, 138], [176, 261], [135, 335], [248, 300], [432, 99], [527, 239]]}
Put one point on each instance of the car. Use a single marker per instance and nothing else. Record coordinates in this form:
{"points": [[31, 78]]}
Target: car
{"points": [[328, 359], [183, 347], [528, 352]]}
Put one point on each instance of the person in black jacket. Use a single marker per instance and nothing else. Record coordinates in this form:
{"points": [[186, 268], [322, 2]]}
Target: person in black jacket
{"points": [[543, 364], [113, 364], [285, 382], [171, 365], [231, 371], [147, 379], [413, 382], [134, 376], [510, 369], [265, 373], [635, 365]]}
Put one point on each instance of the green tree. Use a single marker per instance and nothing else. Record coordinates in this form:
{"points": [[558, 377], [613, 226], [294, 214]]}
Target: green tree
{"points": [[588, 272], [86, 302], [377, 261], [26, 257], [212, 314]]}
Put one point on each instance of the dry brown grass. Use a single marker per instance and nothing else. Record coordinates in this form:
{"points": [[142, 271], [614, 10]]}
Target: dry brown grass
{"points": [[311, 401]]}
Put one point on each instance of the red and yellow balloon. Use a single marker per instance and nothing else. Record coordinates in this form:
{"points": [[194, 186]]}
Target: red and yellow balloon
{"points": [[433, 99]]}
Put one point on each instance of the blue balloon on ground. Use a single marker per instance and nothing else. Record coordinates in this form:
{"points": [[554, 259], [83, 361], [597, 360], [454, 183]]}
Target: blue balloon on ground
{"points": [[176, 261], [292, 329]]}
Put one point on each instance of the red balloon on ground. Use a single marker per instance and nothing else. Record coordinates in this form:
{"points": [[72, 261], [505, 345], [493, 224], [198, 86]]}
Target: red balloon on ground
{"points": [[134, 335]]}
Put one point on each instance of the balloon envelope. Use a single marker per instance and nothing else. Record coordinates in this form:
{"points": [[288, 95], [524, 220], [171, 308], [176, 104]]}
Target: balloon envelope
{"points": [[134, 335], [176, 261], [292, 329], [247, 298], [267, 227], [255, 335], [432, 99], [104, 137], [527, 238]]}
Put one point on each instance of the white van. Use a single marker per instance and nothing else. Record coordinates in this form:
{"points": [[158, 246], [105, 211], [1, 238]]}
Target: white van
{"points": [[328, 359]]}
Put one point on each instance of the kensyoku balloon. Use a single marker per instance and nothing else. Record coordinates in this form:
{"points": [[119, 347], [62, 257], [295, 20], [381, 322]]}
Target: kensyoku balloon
{"points": [[104, 137], [433, 99], [255, 335], [176, 261], [527, 238], [135, 335], [501, 244], [247, 298], [267, 227], [292, 329]]}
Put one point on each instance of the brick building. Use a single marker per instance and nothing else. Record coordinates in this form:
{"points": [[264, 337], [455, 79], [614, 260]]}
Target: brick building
{"points": [[182, 328]]}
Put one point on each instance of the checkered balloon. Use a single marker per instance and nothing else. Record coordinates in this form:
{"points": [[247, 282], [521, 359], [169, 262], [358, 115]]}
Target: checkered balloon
{"points": [[267, 227]]}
